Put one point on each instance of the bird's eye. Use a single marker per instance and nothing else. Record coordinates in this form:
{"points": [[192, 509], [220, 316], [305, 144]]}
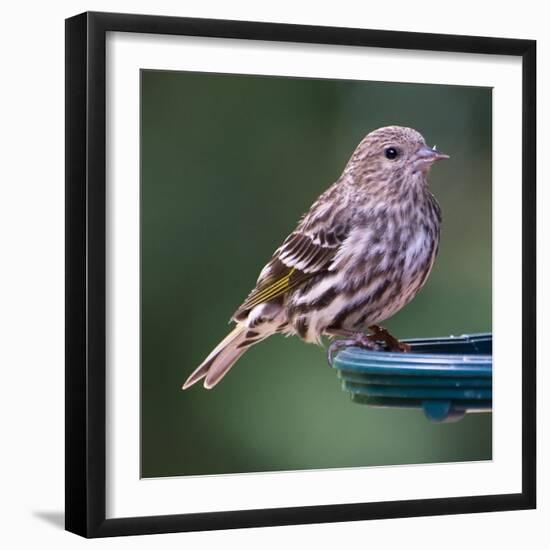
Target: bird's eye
{"points": [[391, 153]]}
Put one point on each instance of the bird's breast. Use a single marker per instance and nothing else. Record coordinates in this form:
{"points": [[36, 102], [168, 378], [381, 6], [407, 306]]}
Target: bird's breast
{"points": [[378, 270], [380, 274]]}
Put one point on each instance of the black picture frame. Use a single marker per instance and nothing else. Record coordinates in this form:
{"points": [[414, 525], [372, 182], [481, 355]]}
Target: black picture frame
{"points": [[86, 275]]}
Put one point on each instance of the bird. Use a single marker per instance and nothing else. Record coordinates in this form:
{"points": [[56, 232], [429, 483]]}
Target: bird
{"points": [[359, 255]]}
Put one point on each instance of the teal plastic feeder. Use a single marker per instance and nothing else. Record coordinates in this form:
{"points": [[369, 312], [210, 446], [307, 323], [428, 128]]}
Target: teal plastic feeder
{"points": [[445, 377]]}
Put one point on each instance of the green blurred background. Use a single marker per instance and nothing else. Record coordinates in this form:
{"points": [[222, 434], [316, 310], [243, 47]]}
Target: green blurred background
{"points": [[229, 163]]}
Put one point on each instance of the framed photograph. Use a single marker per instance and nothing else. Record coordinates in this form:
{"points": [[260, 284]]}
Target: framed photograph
{"points": [[360, 206]]}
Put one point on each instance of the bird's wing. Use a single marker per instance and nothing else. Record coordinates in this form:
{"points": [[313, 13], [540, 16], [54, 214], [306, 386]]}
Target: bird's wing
{"points": [[304, 253]]}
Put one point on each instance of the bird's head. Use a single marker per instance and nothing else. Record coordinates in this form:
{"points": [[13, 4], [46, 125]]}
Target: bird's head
{"points": [[395, 156]]}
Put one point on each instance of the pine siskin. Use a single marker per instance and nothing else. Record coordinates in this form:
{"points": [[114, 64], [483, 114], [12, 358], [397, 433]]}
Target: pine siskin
{"points": [[361, 253]]}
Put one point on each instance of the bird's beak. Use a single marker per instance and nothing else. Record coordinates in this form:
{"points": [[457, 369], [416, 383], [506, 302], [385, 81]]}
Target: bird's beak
{"points": [[431, 155]]}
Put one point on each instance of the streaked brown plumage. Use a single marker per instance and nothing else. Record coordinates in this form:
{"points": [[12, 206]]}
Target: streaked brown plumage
{"points": [[361, 253]]}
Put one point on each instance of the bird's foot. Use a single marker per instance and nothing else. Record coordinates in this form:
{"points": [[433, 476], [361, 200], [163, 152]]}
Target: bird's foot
{"points": [[382, 335], [360, 340]]}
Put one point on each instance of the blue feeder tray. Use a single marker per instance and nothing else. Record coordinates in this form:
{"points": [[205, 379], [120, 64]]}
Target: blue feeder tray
{"points": [[446, 377]]}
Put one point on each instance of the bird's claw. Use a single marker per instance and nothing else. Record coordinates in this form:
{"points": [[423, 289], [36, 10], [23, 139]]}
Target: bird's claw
{"points": [[401, 346], [359, 340], [393, 344]]}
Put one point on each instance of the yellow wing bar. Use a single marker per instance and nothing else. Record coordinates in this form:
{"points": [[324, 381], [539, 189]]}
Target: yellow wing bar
{"points": [[278, 287]]}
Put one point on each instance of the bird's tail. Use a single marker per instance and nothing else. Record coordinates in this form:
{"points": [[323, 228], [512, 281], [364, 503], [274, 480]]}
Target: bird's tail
{"points": [[221, 359]]}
